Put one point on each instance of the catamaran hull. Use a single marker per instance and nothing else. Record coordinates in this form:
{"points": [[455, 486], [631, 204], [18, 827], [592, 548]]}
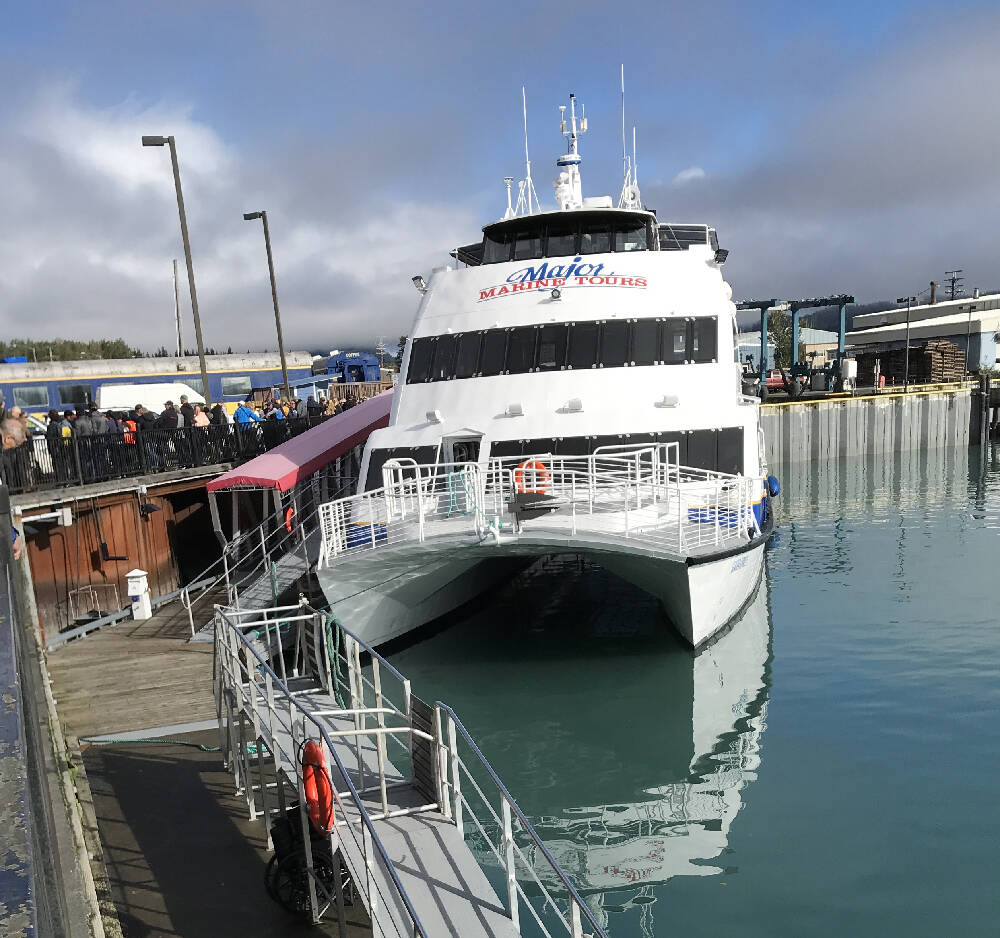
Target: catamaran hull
{"points": [[383, 596]]}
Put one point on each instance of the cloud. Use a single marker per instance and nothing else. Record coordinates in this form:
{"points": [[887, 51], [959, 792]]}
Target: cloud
{"points": [[691, 174], [91, 228]]}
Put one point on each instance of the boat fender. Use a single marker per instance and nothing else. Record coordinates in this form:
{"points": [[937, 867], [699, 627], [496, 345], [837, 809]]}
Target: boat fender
{"points": [[773, 487], [318, 787], [540, 481]]}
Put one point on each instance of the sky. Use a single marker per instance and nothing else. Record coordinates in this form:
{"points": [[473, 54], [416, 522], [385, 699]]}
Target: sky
{"points": [[842, 147]]}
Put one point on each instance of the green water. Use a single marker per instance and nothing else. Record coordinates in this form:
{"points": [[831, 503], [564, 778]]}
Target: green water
{"points": [[830, 767]]}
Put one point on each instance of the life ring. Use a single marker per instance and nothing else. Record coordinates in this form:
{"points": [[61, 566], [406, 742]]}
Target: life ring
{"points": [[318, 787], [289, 514], [541, 477]]}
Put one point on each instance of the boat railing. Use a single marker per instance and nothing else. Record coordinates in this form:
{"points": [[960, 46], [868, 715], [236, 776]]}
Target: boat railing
{"points": [[630, 493], [499, 829], [272, 666]]}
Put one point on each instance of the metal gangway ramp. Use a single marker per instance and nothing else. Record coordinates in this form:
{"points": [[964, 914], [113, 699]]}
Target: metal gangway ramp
{"points": [[432, 841]]}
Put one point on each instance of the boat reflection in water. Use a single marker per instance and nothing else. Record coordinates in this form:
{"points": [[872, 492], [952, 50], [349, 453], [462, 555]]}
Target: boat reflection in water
{"points": [[708, 717]]}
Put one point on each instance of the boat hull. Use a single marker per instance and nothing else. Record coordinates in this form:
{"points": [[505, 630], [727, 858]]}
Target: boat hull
{"points": [[383, 595]]}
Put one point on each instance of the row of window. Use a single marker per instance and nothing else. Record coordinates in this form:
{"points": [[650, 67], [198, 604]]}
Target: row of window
{"points": [[615, 343], [715, 450], [567, 236], [36, 396]]}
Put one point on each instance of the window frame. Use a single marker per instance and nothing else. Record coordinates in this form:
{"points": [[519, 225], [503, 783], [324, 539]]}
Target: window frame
{"points": [[44, 388], [245, 390], [418, 345], [596, 348], [63, 402]]}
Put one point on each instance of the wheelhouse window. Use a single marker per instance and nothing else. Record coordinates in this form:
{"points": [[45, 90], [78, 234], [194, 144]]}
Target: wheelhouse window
{"points": [[630, 235], [444, 358], [31, 395], [673, 346], [527, 245], [552, 347], [561, 238], [595, 238], [420, 361], [496, 247], [520, 350], [467, 356], [614, 344], [582, 345], [645, 342], [494, 348]]}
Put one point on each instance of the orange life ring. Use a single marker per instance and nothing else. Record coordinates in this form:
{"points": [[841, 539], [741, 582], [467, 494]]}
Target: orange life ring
{"points": [[318, 787], [289, 514], [541, 477]]}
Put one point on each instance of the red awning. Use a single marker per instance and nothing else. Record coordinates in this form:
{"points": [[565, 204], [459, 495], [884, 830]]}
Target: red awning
{"points": [[284, 466]]}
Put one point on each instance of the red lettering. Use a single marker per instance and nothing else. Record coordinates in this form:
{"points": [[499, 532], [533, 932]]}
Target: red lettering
{"points": [[503, 290], [486, 294], [628, 282], [640, 281]]}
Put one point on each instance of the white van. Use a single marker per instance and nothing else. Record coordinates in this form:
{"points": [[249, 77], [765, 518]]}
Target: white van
{"points": [[152, 396]]}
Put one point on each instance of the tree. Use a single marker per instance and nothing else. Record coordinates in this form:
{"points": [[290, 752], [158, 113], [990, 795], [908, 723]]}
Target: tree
{"points": [[400, 351]]}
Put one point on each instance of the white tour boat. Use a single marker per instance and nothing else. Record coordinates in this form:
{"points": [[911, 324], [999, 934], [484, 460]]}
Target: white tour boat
{"points": [[574, 386]]}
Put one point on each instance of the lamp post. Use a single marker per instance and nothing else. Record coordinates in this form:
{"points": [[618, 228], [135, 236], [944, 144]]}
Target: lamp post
{"points": [[149, 141], [906, 354], [262, 215]]}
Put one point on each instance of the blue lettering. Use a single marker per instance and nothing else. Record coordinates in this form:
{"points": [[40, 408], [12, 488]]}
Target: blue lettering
{"points": [[525, 274]]}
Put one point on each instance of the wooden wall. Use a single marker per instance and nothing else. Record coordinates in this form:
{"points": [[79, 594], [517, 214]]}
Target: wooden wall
{"points": [[172, 545]]}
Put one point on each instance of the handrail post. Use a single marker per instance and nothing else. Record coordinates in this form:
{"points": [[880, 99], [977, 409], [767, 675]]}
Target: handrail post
{"points": [[575, 925], [441, 754], [509, 867], [366, 841], [380, 737], [456, 776]]}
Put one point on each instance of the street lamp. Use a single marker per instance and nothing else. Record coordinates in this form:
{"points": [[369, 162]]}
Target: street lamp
{"points": [[906, 355], [149, 141], [262, 215]]}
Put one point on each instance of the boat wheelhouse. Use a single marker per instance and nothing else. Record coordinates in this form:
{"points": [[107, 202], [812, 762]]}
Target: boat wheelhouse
{"points": [[574, 385]]}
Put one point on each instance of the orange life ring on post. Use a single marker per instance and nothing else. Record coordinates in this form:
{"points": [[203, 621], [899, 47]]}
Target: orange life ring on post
{"points": [[318, 787], [289, 514], [541, 477]]}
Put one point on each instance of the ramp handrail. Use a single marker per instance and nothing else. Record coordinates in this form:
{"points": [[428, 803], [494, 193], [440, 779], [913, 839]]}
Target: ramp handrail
{"points": [[576, 907], [273, 682]]}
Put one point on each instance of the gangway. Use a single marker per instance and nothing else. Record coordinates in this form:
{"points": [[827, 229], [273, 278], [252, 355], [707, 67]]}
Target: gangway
{"points": [[413, 793]]}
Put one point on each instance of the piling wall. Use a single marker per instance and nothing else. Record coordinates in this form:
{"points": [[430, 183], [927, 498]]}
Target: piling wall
{"points": [[804, 431]]}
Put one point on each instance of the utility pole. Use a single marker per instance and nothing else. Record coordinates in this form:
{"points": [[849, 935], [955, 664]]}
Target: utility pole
{"points": [[148, 141], [262, 215], [954, 278], [177, 311]]}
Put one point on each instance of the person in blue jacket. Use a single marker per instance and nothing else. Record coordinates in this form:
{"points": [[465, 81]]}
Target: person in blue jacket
{"points": [[245, 414]]}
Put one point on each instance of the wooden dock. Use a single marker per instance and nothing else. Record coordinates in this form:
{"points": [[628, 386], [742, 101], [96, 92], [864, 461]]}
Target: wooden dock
{"points": [[133, 676]]}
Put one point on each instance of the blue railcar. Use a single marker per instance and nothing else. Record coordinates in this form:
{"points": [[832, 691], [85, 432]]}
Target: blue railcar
{"points": [[37, 387]]}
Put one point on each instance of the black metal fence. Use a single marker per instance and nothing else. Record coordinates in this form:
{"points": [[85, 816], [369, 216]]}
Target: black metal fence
{"points": [[45, 463]]}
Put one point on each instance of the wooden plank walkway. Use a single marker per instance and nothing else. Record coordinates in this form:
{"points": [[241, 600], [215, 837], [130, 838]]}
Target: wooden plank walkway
{"points": [[134, 676]]}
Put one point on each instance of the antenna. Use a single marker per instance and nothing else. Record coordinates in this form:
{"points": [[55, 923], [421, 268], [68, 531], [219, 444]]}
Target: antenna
{"points": [[624, 157], [527, 198], [507, 181]]}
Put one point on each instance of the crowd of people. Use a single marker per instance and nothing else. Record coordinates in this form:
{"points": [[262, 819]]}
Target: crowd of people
{"points": [[88, 444]]}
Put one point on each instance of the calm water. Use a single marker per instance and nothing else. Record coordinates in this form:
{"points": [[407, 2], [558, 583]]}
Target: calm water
{"points": [[830, 767]]}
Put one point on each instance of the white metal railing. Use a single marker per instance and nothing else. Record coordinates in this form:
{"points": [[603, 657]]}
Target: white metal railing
{"points": [[505, 834], [365, 704], [615, 494]]}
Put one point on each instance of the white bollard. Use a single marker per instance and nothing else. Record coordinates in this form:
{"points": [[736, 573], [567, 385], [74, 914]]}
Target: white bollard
{"points": [[138, 591]]}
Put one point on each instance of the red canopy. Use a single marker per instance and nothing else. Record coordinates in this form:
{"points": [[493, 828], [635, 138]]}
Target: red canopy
{"points": [[285, 465]]}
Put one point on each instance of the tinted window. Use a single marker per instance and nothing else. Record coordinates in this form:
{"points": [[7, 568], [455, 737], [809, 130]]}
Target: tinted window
{"points": [[236, 385], [420, 361], [673, 349], [31, 395], [467, 357], [74, 393], [527, 245], [596, 238], [520, 350], [444, 358], [582, 345], [630, 235], [496, 248], [552, 347], [704, 340], [562, 239], [645, 342], [195, 384], [614, 344], [494, 344]]}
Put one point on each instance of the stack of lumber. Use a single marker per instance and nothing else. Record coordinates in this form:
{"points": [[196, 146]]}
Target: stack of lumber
{"points": [[932, 361]]}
